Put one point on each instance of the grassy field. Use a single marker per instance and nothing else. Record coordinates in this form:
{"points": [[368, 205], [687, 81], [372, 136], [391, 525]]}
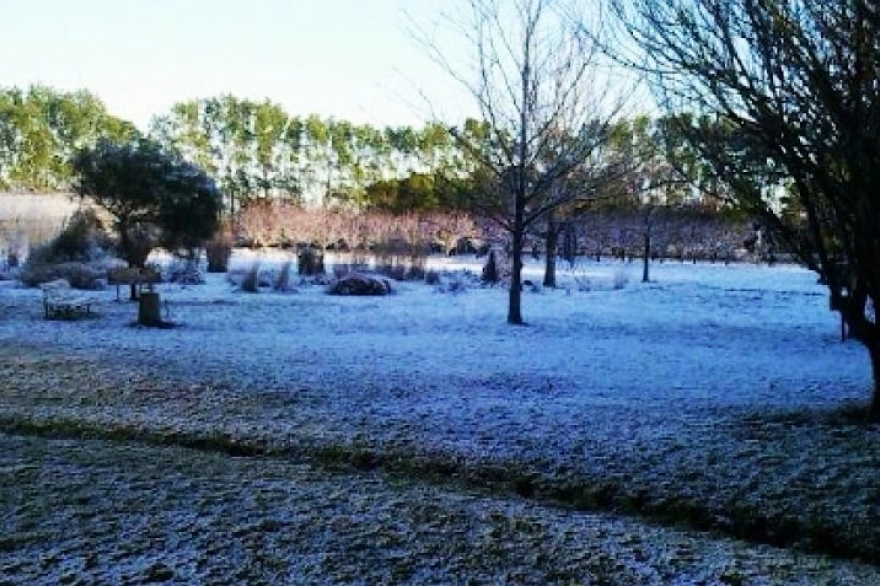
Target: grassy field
{"points": [[302, 438]]}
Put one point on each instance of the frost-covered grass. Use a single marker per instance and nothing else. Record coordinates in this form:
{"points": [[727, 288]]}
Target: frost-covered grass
{"points": [[716, 397], [94, 512]]}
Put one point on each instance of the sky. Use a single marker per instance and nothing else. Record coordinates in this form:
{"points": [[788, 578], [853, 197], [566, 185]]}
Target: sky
{"points": [[355, 60]]}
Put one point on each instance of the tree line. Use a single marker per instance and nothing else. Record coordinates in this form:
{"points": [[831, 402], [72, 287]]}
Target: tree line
{"points": [[261, 156], [257, 151]]}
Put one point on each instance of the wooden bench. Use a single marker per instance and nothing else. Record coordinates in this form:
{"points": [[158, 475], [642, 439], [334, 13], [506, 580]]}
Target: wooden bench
{"points": [[61, 302], [133, 276]]}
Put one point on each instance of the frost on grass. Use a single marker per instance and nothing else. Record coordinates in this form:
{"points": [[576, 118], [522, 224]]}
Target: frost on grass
{"points": [[92, 511], [712, 396]]}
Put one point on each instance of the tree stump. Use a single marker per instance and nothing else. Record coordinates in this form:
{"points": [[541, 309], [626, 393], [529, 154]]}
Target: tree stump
{"points": [[149, 309]]}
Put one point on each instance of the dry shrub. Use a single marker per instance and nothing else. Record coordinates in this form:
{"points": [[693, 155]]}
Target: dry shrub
{"points": [[310, 262], [360, 284], [82, 239], [250, 282], [282, 279], [417, 271], [456, 283], [407, 236], [582, 283], [490, 270], [219, 251], [396, 272], [79, 275], [185, 272]]}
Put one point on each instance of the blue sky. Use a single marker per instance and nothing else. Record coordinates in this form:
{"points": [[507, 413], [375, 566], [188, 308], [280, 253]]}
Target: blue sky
{"points": [[350, 59]]}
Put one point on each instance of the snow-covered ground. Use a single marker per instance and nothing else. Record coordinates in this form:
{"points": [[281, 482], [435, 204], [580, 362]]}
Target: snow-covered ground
{"points": [[711, 388], [695, 336]]}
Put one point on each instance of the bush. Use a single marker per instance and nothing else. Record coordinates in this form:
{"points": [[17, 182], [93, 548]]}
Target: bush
{"points": [[456, 283], [396, 272], [310, 262], [282, 280], [82, 239], [67, 256], [250, 283], [490, 270], [219, 250], [583, 283], [185, 272], [620, 280], [417, 270], [359, 284], [79, 275]]}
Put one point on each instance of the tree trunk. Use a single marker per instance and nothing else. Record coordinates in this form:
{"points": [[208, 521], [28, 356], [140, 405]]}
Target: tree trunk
{"points": [[874, 352], [514, 307], [552, 242], [646, 258]]}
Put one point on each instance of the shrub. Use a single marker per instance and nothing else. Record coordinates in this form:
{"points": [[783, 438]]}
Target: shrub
{"points": [[456, 283], [219, 250], [282, 279], [342, 269], [250, 282], [396, 272], [432, 278], [185, 272], [490, 270], [79, 275], [82, 239], [583, 284], [621, 280], [310, 262], [359, 284], [416, 270]]}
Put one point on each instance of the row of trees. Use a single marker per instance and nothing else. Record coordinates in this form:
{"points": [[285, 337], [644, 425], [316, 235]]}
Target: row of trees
{"points": [[40, 131], [274, 154], [677, 233], [256, 150]]}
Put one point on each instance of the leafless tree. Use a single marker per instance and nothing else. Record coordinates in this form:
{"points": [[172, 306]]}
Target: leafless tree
{"points": [[792, 91], [546, 103]]}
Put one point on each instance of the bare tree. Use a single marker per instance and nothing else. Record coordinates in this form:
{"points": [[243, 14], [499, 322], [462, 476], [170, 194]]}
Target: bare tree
{"points": [[545, 103], [792, 90]]}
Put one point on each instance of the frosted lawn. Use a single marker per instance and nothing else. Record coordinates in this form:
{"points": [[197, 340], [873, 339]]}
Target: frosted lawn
{"points": [[711, 385]]}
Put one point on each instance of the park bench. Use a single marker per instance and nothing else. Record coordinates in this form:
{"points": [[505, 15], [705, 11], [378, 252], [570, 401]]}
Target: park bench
{"points": [[62, 302], [139, 278]]}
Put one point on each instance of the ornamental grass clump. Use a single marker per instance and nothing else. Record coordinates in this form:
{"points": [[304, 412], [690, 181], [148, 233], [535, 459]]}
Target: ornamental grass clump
{"points": [[282, 279], [250, 282], [310, 262], [218, 251]]}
